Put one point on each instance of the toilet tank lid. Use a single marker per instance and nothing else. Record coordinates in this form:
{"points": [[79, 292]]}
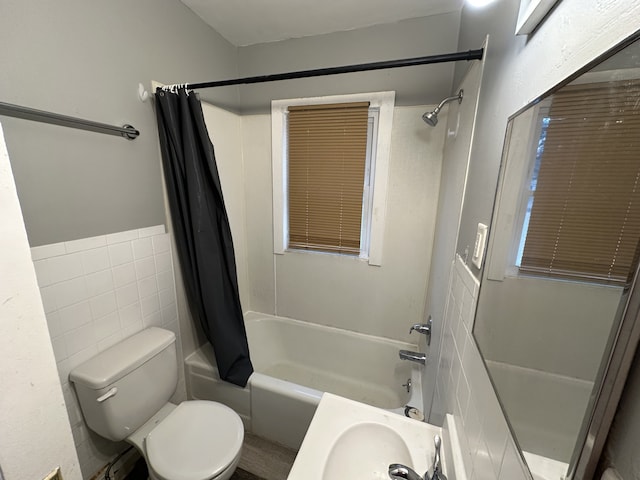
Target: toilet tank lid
{"points": [[115, 362]]}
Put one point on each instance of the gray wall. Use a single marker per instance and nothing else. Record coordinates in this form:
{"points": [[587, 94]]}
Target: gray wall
{"points": [[497, 21], [517, 71], [520, 69], [419, 85], [85, 59]]}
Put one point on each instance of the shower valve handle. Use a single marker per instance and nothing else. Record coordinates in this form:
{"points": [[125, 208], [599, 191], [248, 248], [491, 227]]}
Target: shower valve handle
{"points": [[423, 328]]}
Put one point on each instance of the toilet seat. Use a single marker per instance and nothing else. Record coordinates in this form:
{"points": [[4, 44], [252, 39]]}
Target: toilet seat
{"points": [[199, 440]]}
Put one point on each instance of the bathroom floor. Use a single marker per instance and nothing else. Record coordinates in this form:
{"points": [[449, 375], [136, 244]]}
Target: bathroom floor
{"points": [[240, 474], [267, 460]]}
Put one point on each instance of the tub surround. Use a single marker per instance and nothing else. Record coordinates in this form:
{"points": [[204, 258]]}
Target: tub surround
{"points": [[97, 291], [343, 291]]}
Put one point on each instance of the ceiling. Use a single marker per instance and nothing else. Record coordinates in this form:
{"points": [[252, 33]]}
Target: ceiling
{"points": [[248, 22]]}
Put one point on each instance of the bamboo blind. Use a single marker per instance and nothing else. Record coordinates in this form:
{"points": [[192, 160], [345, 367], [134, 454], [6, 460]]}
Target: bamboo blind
{"points": [[327, 147], [585, 220]]}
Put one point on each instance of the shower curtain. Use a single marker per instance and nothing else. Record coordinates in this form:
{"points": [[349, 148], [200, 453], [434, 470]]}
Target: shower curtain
{"points": [[201, 230]]}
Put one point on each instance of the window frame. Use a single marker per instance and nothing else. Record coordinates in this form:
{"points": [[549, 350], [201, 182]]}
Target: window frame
{"points": [[383, 103], [527, 193], [510, 216], [614, 96]]}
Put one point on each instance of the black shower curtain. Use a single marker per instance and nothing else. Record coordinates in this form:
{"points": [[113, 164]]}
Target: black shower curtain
{"points": [[201, 230]]}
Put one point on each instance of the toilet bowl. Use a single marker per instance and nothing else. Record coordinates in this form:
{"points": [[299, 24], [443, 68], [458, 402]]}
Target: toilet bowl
{"points": [[194, 440], [124, 394]]}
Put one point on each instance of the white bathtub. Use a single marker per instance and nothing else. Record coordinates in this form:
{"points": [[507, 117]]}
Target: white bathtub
{"points": [[295, 362]]}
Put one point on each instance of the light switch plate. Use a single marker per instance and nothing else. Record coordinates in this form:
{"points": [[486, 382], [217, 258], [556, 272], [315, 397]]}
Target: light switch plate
{"points": [[478, 249]]}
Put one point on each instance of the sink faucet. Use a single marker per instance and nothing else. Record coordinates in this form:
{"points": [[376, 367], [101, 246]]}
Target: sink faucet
{"points": [[397, 471], [435, 472], [417, 357]]}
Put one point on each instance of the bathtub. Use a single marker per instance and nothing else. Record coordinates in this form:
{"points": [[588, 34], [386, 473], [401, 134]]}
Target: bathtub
{"points": [[295, 362]]}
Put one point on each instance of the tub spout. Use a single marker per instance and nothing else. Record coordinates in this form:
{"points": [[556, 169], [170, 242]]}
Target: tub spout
{"points": [[417, 357], [397, 471]]}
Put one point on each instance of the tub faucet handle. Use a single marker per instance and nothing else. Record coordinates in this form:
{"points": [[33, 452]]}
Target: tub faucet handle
{"points": [[423, 328]]}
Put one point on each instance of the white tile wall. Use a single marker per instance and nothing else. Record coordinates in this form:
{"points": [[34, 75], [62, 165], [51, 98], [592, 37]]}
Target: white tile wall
{"points": [[464, 389], [97, 291]]}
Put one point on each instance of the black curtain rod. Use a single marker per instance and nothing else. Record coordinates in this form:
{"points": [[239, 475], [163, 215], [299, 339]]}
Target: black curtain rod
{"points": [[26, 113], [363, 67]]}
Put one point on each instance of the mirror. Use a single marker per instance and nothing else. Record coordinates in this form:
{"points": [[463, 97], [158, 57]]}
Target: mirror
{"points": [[562, 255]]}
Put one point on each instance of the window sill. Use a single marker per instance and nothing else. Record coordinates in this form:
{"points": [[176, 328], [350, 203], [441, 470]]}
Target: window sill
{"points": [[301, 251]]}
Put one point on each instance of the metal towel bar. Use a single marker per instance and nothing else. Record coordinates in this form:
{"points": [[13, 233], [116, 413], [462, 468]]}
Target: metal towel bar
{"points": [[26, 113]]}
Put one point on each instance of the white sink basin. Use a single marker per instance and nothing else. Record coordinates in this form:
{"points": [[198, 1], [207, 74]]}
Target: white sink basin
{"points": [[354, 441], [365, 451]]}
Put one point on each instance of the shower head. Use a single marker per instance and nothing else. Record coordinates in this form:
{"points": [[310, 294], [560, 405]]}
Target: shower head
{"points": [[431, 118]]}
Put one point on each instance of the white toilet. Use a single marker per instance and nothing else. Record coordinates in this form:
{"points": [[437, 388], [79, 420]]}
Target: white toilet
{"points": [[124, 394]]}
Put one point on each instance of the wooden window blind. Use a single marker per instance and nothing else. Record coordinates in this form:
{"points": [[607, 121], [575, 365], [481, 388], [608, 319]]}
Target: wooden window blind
{"points": [[585, 219], [327, 146]]}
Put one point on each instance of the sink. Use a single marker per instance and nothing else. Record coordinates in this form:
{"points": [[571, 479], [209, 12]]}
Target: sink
{"points": [[365, 451], [348, 440]]}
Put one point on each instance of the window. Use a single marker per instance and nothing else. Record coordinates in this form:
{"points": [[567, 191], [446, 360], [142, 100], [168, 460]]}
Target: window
{"points": [[543, 124], [327, 160], [330, 163], [584, 220]]}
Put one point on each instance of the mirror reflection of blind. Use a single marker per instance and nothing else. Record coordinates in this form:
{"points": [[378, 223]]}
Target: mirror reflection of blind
{"points": [[585, 220], [327, 146]]}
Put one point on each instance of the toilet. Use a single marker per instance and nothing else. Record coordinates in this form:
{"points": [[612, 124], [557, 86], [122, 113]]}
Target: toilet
{"points": [[124, 394]]}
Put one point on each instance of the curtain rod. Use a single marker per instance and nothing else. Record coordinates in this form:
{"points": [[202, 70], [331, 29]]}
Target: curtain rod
{"points": [[363, 67], [26, 113]]}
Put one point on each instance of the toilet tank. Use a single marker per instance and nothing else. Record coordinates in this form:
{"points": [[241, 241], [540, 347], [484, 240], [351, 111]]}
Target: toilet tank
{"points": [[122, 387]]}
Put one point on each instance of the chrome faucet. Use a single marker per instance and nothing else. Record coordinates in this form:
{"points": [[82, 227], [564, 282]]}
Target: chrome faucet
{"points": [[417, 357], [435, 472], [423, 328], [397, 471]]}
